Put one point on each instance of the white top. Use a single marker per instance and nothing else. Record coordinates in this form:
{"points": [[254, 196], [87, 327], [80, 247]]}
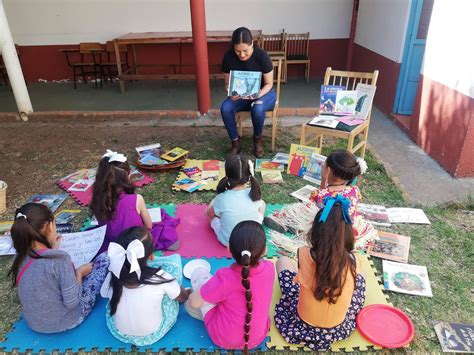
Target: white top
{"points": [[139, 309]]}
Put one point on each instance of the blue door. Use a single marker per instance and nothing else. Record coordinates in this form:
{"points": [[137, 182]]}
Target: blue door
{"points": [[415, 40]]}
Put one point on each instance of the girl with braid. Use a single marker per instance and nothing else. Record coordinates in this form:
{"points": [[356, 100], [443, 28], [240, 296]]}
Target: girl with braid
{"points": [[235, 302], [235, 201]]}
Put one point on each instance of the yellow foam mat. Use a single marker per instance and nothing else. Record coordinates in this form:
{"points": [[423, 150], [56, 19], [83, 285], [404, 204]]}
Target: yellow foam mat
{"points": [[374, 294], [194, 162]]}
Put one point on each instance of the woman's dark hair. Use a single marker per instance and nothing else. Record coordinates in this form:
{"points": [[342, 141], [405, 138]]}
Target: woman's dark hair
{"points": [[343, 165], [249, 236], [111, 179], [331, 243], [242, 35], [237, 172], [27, 230], [148, 274]]}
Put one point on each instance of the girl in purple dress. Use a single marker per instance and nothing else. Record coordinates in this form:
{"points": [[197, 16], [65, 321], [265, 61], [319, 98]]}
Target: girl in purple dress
{"points": [[115, 204]]}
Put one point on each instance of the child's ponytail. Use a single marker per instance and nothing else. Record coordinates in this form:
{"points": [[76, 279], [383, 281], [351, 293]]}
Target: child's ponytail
{"points": [[255, 192], [222, 185], [245, 260]]}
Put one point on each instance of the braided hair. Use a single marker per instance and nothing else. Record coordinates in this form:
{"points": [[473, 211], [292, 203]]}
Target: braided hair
{"points": [[343, 165], [247, 244], [237, 172]]}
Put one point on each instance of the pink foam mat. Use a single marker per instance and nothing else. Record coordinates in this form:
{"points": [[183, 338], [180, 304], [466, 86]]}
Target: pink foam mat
{"points": [[197, 239]]}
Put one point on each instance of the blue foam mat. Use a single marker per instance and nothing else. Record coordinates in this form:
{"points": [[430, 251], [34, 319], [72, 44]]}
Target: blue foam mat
{"points": [[93, 334]]}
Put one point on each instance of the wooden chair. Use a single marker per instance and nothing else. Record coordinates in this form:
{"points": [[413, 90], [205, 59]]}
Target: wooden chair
{"points": [[297, 51], [89, 63], [274, 113], [275, 46], [109, 66], [309, 134]]}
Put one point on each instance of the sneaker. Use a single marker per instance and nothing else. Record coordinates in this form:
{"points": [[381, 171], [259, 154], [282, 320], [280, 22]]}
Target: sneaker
{"points": [[274, 224]]}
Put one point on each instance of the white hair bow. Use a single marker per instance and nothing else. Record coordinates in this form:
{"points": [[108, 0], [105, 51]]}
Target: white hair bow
{"points": [[117, 255], [362, 164], [114, 156], [251, 168]]}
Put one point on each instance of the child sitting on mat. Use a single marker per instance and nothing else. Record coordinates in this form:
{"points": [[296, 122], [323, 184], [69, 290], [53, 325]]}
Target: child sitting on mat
{"points": [[137, 290], [235, 302], [322, 295], [54, 296], [235, 202], [115, 204]]}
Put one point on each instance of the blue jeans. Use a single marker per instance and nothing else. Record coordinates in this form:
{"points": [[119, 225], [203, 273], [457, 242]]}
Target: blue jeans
{"points": [[257, 110]]}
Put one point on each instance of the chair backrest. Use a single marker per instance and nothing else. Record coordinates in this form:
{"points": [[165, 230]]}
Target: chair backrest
{"points": [[297, 43], [88, 47], [277, 63], [349, 79], [274, 42]]}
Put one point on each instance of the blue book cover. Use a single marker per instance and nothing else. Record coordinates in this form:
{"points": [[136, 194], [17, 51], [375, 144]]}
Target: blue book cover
{"points": [[327, 102], [245, 84]]}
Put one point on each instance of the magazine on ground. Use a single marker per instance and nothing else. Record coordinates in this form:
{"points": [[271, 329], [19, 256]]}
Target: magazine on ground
{"points": [[304, 193], [327, 99], [455, 337], [374, 214], [390, 246], [281, 158], [245, 84], [299, 158], [315, 168], [406, 278]]}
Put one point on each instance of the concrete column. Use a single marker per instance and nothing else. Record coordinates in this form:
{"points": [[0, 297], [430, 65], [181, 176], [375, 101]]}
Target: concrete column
{"points": [[201, 60], [15, 75]]}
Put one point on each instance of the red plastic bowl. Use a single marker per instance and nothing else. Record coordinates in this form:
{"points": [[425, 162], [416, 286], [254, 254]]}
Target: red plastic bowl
{"points": [[385, 326]]}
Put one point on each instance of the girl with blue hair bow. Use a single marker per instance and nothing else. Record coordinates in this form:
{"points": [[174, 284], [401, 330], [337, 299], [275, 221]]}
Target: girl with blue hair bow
{"points": [[324, 292]]}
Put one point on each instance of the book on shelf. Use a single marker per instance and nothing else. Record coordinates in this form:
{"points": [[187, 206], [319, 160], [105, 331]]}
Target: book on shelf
{"points": [[272, 177], [174, 154], [304, 193], [52, 201], [315, 168], [267, 164], [346, 101], [455, 337], [390, 246], [192, 172], [151, 154], [328, 121], [299, 159], [244, 84], [327, 99], [281, 158], [188, 185], [374, 214], [406, 278], [407, 215]]}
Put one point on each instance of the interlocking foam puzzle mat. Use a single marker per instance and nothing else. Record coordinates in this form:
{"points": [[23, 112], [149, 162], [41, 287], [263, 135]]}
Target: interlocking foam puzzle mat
{"points": [[210, 185], [79, 184]]}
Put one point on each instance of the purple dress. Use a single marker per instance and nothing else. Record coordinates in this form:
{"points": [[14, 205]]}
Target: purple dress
{"points": [[126, 216]]}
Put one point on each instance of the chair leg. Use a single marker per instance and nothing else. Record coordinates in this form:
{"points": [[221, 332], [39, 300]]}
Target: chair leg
{"points": [[274, 129], [366, 137], [350, 143], [319, 143]]}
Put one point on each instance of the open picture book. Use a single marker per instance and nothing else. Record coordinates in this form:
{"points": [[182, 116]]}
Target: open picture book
{"points": [[244, 84]]}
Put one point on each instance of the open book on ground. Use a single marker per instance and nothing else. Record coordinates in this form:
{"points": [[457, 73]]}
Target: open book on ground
{"points": [[406, 278], [455, 337], [390, 246], [245, 84], [304, 193]]}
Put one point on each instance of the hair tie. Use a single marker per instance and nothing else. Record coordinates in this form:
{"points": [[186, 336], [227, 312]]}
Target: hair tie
{"points": [[114, 156], [117, 254], [362, 165], [330, 201], [20, 215], [251, 168], [246, 252]]}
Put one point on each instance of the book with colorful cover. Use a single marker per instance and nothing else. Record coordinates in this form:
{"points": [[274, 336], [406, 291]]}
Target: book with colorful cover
{"points": [[267, 164], [304, 193], [272, 177], [328, 121], [66, 216], [390, 246], [455, 337], [299, 158], [315, 168], [192, 172], [244, 84], [374, 214], [365, 98], [346, 101], [52, 201], [211, 165], [64, 227], [187, 184], [209, 176], [174, 154], [281, 158], [406, 278], [151, 154], [327, 100]]}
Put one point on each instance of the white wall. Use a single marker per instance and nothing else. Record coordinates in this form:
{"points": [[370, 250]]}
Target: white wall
{"points": [[449, 53], [381, 26], [47, 22]]}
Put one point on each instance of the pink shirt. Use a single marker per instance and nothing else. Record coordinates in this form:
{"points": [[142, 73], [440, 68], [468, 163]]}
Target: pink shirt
{"points": [[225, 322]]}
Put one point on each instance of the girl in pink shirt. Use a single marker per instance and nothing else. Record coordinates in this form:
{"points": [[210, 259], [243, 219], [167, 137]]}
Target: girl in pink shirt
{"points": [[235, 302]]}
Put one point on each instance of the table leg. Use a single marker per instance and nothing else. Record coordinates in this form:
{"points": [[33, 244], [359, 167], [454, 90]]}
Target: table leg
{"points": [[119, 66]]}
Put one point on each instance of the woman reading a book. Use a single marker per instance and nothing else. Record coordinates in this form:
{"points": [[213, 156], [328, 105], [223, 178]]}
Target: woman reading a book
{"points": [[245, 56]]}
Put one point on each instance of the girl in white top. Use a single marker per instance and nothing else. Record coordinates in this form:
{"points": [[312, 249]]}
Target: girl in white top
{"points": [[135, 289]]}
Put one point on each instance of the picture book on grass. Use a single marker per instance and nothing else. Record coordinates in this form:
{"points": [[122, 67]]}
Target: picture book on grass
{"points": [[66, 216], [299, 159], [406, 278], [374, 214], [205, 173], [271, 177], [315, 168], [455, 337], [174, 154], [245, 84], [267, 164], [281, 158], [187, 184], [304, 193], [390, 246], [51, 201]]}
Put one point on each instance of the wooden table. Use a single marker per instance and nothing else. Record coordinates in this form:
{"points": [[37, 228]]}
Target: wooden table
{"points": [[181, 37]]}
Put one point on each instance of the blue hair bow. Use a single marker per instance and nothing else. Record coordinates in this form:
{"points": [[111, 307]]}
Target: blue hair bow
{"points": [[330, 201]]}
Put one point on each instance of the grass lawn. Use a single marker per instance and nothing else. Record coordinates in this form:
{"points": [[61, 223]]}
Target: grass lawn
{"points": [[445, 247]]}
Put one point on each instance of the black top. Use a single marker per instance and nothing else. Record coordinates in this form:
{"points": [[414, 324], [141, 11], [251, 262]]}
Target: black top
{"points": [[259, 61]]}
